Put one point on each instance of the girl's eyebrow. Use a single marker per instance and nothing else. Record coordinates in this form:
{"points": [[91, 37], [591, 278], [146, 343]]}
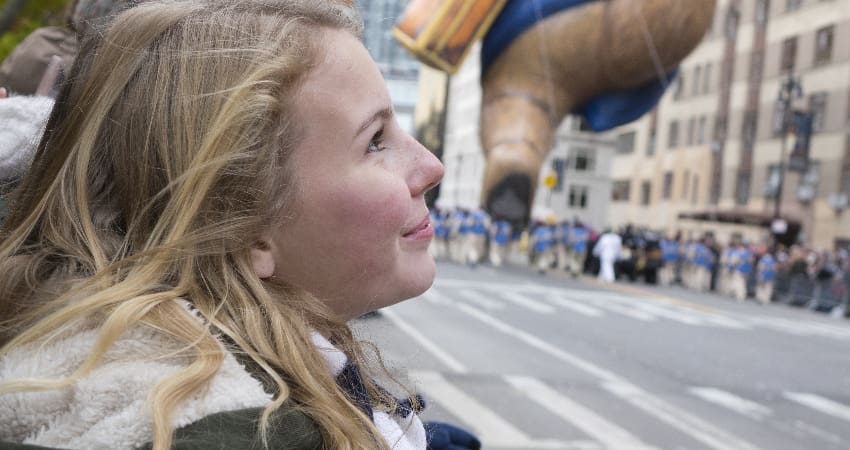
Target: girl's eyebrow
{"points": [[382, 114]]}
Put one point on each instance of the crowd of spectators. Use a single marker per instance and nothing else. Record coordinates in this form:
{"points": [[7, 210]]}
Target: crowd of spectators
{"points": [[798, 275]]}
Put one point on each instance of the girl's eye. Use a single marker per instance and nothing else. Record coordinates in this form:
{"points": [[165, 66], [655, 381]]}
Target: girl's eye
{"points": [[376, 144]]}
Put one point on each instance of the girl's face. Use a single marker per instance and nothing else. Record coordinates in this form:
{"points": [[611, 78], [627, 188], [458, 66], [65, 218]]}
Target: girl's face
{"points": [[359, 235]]}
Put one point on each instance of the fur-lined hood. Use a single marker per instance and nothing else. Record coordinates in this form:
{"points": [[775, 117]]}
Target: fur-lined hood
{"points": [[22, 121], [107, 409]]}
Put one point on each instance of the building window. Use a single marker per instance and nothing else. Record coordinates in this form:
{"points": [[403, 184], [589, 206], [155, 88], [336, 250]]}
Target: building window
{"points": [[817, 105], [645, 192], [673, 135], [667, 190], [748, 129], [651, 142], [580, 124], [761, 12], [692, 123], [823, 45], [578, 197], [695, 190], [695, 85], [807, 190], [679, 87], [742, 189], [778, 121], [771, 186], [626, 142], [756, 66], [731, 27], [582, 160], [558, 166], [706, 78], [789, 54], [792, 5], [621, 190], [703, 122], [685, 184]]}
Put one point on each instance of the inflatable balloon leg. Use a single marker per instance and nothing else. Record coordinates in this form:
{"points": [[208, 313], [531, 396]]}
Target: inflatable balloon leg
{"points": [[606, 60]]}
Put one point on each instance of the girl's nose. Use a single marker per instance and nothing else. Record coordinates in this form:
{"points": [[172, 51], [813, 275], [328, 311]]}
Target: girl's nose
{"points": [[427, 170]]}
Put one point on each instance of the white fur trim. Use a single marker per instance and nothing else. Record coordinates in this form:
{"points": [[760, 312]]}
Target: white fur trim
{"points": [[107, 408], [22, 121]]}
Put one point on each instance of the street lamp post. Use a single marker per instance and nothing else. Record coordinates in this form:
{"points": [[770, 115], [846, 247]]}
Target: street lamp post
{"points": [[788, 91]]}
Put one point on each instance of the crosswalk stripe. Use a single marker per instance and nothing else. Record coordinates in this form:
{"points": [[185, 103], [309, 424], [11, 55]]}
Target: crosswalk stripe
{"points": [[482, 300], [435, 296], [492, 429], [810, 327], [794, 329], [818, 432], [676, 417], [584, 419], [689, 424], [830, 328], [423, 341], [618, 308], [598, 295], [726, 322], [731, 401], [528, 303], [682, 317], [538, 343], [574, 306], [821, 404]]}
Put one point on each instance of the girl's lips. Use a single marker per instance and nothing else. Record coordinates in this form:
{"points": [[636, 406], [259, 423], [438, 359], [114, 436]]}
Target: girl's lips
{"points": [[422, 231]]}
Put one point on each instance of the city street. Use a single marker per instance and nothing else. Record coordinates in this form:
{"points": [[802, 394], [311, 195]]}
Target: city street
{"points": [[549, 362]]}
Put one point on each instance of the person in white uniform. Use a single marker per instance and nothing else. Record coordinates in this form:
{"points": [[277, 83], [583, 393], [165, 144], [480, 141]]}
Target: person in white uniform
{"points": [[608, 249]]}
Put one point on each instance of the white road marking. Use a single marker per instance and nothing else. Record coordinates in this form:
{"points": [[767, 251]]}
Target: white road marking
{"points": [[769, 322], [625, 310], [609, 434], [724, 321], [484, 301], [526, 302], [731, 401], [492, 429], [436, 297], [676, 417], [597, 295], [574, 306], [809, 327], [817, 432], [445, 358], [682, 317], [818, 403]]}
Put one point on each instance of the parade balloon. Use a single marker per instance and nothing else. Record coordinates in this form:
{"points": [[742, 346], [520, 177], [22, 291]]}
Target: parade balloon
{"points": [[608, 61]]}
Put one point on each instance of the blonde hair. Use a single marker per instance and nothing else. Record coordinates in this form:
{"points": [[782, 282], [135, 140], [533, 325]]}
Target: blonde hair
{"points": [[163, 161]]}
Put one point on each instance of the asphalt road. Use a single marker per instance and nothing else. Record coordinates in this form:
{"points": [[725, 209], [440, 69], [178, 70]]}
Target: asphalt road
{"points": [[549, 362]]}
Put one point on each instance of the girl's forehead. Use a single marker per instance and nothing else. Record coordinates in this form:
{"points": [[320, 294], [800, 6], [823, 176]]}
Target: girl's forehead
{"points": [[345, 71]]}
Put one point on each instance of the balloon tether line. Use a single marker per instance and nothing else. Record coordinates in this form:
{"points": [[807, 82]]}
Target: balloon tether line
{"points": [[653, 53], [544, 55]]}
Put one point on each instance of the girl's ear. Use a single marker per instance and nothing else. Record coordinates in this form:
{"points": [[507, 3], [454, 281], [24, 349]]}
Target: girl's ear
{"points": [[262, 259]]}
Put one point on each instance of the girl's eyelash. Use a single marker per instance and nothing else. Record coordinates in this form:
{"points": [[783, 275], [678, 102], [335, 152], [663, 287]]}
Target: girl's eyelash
{"points": [[375, 143]]}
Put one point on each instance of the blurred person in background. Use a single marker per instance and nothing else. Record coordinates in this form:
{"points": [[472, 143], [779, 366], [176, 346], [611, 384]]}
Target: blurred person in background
{"points": [[608, 249]]}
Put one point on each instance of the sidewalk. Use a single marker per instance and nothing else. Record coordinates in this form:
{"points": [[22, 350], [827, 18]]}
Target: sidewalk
{"points": [[703, 301]]}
